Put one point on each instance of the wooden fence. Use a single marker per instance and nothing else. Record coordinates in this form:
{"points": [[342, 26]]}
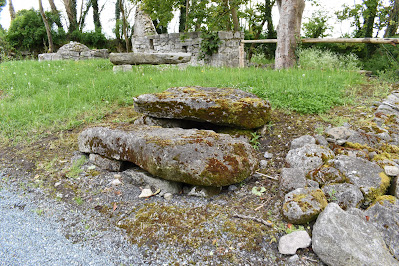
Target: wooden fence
{"points": [[392, 41]]}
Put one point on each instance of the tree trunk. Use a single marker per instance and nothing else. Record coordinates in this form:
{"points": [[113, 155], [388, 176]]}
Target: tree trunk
{"points": [[124, 24], [183, 15], [48, 29], [55, 11], [70, 8], [11, 9], [187, 10], [96, 15], [368, 27], [227, 14], [393, 20], [236, 23], [83, 14], [288, 31]]}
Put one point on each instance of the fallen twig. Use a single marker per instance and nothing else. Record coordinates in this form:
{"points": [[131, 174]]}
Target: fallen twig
{"points": [[258, 220], [268, 176]]}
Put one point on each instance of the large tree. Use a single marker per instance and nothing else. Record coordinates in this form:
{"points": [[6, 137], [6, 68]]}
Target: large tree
{"points": [[47, 25], [393, 20], [71, 10], [11, 10], [288, 31]]}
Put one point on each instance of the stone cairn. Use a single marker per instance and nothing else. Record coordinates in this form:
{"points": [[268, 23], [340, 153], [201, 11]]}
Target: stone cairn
{"points": [[176, 152], [347, 180], [75, 51]]}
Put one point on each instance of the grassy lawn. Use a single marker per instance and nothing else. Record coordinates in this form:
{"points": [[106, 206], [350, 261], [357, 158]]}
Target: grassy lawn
{"points": [[42, 97]]}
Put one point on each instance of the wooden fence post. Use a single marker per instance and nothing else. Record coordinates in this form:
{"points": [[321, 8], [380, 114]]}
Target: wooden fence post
{"points": [[241, 55]]}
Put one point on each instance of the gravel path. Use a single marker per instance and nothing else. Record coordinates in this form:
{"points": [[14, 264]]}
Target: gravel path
{"points": [[30, 237]]}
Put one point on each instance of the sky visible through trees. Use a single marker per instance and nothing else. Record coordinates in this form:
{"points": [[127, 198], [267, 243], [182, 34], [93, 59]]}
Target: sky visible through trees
{"points": [[107, 16]]}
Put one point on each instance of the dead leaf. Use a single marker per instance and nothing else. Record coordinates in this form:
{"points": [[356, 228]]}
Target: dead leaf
{"points": [[115, 206]]}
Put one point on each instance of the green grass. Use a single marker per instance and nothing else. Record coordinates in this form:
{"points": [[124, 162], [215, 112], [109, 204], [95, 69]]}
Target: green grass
{"points": [[40, 97]]}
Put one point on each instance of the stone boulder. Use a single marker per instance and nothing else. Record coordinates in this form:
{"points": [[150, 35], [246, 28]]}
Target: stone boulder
{"points": [[222, 106], [197, 157], [290, 243], [149, 58], [291, 179], [369, 177], [72, 50], [341, 238], [302, 141], [345, 195], [308, 157], [303, 205], [326, 175], [384, 215]]}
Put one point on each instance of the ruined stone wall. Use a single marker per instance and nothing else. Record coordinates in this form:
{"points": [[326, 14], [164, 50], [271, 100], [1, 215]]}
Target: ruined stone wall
{"points": [[228, 54]]}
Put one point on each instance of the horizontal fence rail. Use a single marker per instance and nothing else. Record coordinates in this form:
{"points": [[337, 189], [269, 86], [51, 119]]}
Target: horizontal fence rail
{"points": [[392, 41]]}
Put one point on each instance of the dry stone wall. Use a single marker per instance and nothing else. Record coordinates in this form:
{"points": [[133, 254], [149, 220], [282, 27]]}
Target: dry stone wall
{"points": [[228, 54]]}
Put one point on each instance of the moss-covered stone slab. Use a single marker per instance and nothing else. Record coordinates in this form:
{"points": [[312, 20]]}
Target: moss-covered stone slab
{"points": [[303, 205], [197, 157], [368, 176], [149, 58], [222, 106]]}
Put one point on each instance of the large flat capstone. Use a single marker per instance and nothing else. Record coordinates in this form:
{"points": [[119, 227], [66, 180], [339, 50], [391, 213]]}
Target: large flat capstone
{"points": [[222, 106], [149, 58], [197, 157]]}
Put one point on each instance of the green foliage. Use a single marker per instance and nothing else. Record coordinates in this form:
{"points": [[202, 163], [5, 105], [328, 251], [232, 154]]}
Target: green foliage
{"points": [[42, 97], [210, 44], [317, 26], [254, 141], [313, 58], [93, 39], [75, 169], [258, 191], [160, 10], [27, 31], [385, 58]]}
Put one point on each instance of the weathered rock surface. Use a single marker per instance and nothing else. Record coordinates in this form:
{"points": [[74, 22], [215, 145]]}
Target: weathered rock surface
{"points": [[143, 24], [340, 238], [140, 178], [308, 157], [345, 195], [222, 106], [149, 58], [367, 176], [291, 179], [122, 68], [290, 243], [339, 135], [394, 189], [197, 157], [326, 175], [384, 215], [105, 163], [303, 205], [302, 141], [74, 51]]}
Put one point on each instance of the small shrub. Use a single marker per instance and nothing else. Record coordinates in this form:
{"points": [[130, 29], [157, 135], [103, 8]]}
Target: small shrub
{"points": [[209, 44], [312, 58]]}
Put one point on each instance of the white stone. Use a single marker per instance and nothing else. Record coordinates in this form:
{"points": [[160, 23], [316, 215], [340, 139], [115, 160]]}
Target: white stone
{"points": [[116, 182], [290, 243], [146, 193], [168, 196], [391, 170]]}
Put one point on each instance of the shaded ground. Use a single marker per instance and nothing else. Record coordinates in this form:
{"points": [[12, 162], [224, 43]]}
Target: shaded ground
{"points": [[184, 229]]}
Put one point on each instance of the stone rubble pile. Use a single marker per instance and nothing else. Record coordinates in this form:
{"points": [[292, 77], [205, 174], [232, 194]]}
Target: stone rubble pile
{"points": [[75, 51], [347, 181], [191, 156]]}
